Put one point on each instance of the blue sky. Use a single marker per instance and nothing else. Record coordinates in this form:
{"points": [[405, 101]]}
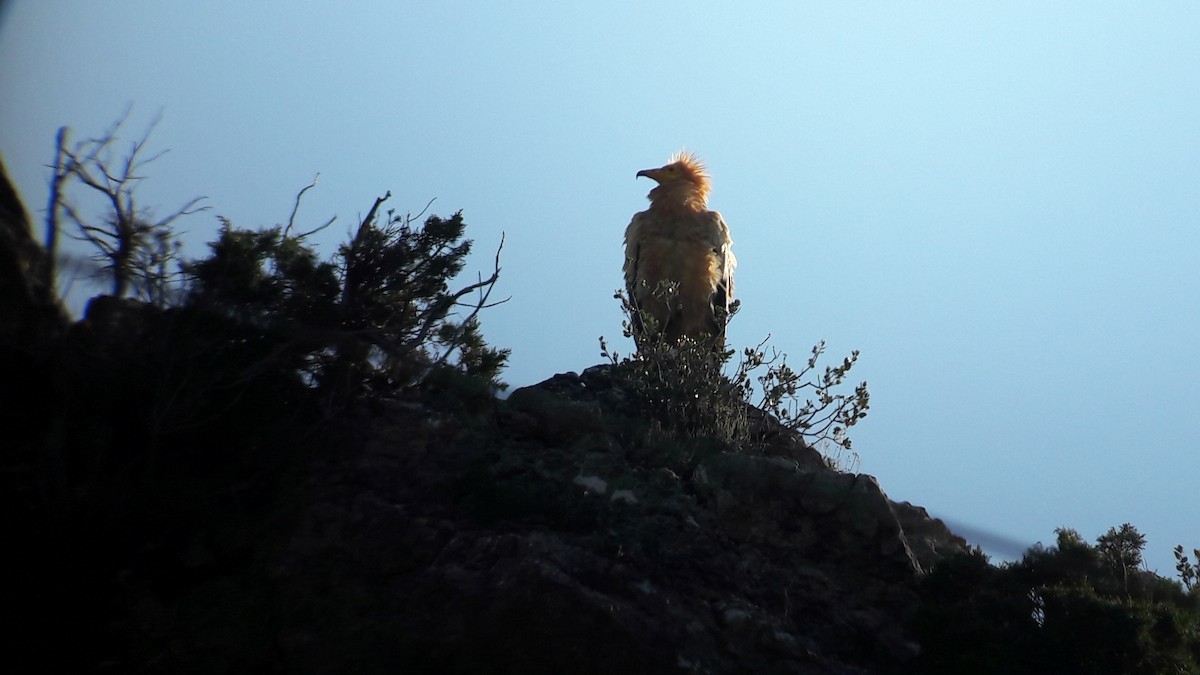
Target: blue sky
{"points": [[997, 203]]}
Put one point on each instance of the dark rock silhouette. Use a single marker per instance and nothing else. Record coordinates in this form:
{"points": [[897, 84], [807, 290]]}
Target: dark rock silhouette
{"points": [[32, 312], [531, 536]]}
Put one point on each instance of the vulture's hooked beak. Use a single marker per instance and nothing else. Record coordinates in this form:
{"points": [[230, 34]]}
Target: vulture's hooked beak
{"points": [[650, 173]]}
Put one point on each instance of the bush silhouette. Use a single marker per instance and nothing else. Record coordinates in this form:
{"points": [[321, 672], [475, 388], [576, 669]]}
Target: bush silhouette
{"points": [[1070, 608]]}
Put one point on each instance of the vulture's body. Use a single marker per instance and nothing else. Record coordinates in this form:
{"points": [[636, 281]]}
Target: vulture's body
{"points": [[678, 240]]}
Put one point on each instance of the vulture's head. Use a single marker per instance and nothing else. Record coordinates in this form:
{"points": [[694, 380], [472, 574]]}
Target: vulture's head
{"points": [[683, 180]]}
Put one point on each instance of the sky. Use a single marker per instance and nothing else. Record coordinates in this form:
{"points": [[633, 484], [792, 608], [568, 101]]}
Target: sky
{"points": [[998, 204]]}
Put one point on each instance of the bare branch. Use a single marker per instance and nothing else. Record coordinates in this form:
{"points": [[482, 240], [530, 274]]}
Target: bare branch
{"points": [[318, 229], [295, 208], [408, 218], [438, 311], [485, 286], [186, 210], [136, 246]]}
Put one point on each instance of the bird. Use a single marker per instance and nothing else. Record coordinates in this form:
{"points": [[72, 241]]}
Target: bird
{"points": [[680, 242]]}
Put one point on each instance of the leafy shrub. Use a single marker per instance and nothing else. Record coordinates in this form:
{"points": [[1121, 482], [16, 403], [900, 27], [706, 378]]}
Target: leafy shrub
{"points": [[1189, 572], [1071, 608], [683, 385], [378, 319]]}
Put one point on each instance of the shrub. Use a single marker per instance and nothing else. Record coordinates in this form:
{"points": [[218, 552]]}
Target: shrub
{"points": [[1071, 608], [379, 318], [1189, 572], [684, 387]]}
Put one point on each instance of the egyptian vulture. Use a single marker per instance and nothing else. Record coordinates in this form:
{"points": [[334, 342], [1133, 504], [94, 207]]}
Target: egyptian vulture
{"points": [[679, 240]]}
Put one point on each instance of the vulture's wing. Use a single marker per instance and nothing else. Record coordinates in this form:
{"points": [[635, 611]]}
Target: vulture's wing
{"points": [[633, 236], [726, 262], [633, 249]]}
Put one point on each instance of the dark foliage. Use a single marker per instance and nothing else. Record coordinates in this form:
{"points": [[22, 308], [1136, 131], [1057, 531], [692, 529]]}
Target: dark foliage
{"points": [[1071, 608], [397, 302], [162, 441], [681, 385], [376, 320]]}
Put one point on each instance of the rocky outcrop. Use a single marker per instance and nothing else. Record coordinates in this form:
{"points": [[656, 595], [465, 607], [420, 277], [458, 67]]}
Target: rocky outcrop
{"points": [[535, 536], [476, 535]]}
